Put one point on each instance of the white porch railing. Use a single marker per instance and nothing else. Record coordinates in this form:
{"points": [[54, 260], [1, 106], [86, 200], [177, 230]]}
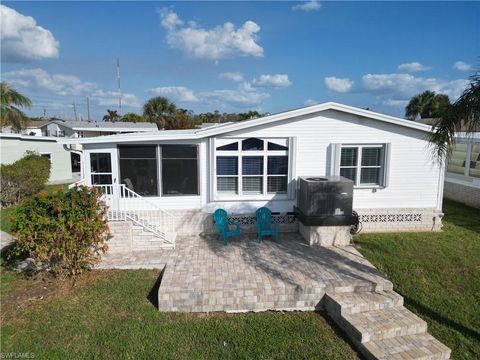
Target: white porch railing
{"points": [[124, 204]]}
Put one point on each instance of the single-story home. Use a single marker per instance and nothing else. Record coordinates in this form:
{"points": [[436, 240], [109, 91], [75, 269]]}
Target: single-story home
{"points": [[462, 179], [14, 146], [241, 166]]}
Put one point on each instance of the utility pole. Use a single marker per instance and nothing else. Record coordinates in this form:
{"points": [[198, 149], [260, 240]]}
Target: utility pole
{"points": [[74, 110], [88, 108], [44, 113], [119, 88]]}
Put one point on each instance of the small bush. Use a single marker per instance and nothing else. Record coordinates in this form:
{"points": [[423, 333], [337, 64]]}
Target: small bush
{"points": [[65, 231], [23, 178]]}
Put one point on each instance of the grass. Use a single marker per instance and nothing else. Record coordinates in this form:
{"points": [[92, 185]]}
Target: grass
{"points": [[6, 213], [438, 274], [107, 314]]}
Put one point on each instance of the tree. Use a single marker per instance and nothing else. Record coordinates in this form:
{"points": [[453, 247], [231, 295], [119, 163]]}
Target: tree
{"points": [[10, 103], [427, 105], [132, 117], [465, 111], [159, 110], [111, 116]]}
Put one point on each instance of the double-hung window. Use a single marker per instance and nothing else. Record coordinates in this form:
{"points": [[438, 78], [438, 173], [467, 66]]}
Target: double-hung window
{"points": [[252, 167], [364, 164]]}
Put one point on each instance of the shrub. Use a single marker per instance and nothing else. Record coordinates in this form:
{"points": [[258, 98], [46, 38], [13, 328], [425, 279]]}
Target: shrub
{"points": [[64, 231], [23, 178]]}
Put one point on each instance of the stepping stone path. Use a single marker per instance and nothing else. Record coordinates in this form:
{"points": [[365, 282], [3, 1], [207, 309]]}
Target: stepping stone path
{"points": [[382, 328]]}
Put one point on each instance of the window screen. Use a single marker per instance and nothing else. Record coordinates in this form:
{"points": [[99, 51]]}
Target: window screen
{"points": [[138, 169], [179, 170]]}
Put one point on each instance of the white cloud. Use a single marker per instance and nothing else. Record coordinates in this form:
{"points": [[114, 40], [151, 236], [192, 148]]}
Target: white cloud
{"points": [[308, 6], [404, 86], [277, 80], [342, 85], [217, 43], [23, 40], [395, 103], [234, 76], [412, 67], [110, 98], [175, 93], [462, 66], [60, 84], [310, 102], [235, 98]]}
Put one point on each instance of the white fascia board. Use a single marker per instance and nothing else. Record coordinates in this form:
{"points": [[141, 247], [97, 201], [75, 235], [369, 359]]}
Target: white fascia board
{"points": [[28, 137], [121, 138], [311, 110], [113, 129]]}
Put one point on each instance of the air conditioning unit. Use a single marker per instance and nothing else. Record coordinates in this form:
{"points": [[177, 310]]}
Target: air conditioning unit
{"points": [[325, 200]]}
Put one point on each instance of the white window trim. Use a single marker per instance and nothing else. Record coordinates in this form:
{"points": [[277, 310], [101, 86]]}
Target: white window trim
{"points": [[239, 153], [383, 167]]}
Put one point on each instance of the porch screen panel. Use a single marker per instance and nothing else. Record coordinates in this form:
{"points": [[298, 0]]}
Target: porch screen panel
{"points": [[138, 169], [101, 168], [179, 170]]}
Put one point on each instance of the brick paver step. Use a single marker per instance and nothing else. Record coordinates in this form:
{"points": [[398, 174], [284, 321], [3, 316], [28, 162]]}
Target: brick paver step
{"points": [[338, 304], [418, 347], [382, 324]]}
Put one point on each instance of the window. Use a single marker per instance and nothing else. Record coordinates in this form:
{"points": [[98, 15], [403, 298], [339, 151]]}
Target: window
{"points": [[179, 170], [47, 155], [363, 164], [456, 162], [475, 161], [138, 169], [463, 153], [251, 167], [101, 168]]}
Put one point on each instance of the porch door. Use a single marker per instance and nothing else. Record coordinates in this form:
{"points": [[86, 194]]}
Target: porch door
{"points": [[102, 173]]}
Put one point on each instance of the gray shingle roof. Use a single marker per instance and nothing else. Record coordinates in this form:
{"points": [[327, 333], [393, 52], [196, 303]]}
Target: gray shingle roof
{"points": [[105, 125]]}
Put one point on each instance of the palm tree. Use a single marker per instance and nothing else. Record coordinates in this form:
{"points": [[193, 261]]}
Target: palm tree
{"points": [[159, 110], [464, 113], [132, 117], [427, 105], [111, 116], [10, 102]]}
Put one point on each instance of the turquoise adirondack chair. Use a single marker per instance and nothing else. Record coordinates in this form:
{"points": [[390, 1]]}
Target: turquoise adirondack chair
{"points": [[265, 225], [220, 220]]}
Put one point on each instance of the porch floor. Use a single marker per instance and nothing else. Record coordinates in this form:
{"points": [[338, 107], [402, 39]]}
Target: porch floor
{"points": [[201, 274]]}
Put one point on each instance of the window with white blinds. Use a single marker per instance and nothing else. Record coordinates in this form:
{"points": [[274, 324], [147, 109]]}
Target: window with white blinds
{"points": [[363, 164], [251, 167]]}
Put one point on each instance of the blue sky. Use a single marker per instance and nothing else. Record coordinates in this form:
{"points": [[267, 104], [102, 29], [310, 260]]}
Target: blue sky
{"points": [[236, 56]]}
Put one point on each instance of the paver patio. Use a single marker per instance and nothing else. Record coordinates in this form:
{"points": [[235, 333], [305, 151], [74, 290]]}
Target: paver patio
{"points": [[201, 274]]}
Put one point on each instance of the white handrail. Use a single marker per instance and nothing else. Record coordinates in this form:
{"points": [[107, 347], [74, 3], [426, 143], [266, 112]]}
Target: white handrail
{"points": [[80, 182], [125, 204]]}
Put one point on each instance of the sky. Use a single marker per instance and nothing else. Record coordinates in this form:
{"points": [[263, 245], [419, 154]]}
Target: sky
{"points": [[235, 56]]}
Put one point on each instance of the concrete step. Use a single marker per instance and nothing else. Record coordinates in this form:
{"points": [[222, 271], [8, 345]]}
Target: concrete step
{"points": [[338, 304], [382, 324], [418, 347]]}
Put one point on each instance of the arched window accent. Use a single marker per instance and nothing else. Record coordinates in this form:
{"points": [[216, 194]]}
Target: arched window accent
{"points": [[252, 144], [229, 147], [273, 146]]}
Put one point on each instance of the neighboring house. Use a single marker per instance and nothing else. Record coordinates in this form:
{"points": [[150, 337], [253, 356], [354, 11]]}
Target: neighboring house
{"points": [[33, 128], [68, 128], [462, 179], [14, 146], [246, 165]]}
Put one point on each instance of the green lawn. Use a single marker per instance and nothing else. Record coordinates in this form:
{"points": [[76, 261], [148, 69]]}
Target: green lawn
{"points": [[438, 274], [6, 213], [108, 315]]}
